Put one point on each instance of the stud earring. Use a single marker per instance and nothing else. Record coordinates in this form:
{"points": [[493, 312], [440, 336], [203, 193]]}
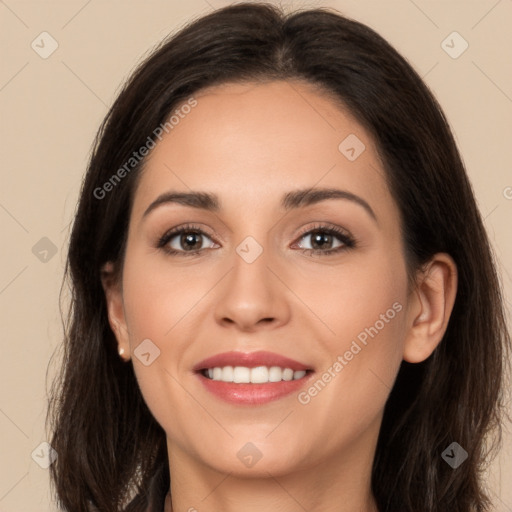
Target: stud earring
{"points": [[121, 351]]}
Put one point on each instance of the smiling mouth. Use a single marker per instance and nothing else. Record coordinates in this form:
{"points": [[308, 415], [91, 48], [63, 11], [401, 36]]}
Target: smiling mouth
{"points": [[252, 378], [254, 375]]}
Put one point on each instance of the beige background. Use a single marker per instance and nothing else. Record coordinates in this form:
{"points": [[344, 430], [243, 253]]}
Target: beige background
{"points": [[51, 109]]}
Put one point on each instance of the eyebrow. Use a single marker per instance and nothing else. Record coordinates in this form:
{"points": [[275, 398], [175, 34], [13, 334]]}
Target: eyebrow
{"points": [[291, 200]]}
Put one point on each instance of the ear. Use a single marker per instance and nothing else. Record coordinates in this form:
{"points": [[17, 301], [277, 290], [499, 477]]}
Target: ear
{"points": [[115, 308], [431, 306]]}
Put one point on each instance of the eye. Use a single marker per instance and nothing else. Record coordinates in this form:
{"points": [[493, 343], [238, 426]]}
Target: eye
{"points": [[326, 240], [186, 240], [321, 240]]}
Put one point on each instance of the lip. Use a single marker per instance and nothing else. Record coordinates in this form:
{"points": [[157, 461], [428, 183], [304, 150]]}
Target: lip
{"points": [[250, 360], [251, 394]]}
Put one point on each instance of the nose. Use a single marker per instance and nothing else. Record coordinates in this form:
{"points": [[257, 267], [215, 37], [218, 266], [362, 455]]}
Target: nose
{"points": [[253, 296]]}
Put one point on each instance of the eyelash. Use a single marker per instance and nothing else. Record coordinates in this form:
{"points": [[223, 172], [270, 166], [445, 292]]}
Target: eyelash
{"points": [[347, 240]]}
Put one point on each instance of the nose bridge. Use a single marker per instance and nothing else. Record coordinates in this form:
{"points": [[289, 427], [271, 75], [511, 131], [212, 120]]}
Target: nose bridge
{"points": [[250, 249], [251, 291], [251, 274]]}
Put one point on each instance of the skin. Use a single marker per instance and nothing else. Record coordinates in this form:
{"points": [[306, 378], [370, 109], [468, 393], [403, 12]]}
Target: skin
{"points": [[249, 144]]}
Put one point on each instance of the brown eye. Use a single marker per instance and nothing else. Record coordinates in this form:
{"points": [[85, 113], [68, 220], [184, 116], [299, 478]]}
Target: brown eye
{"points": [[325, 240], [185, 240], [190, 241], [321, 240]]}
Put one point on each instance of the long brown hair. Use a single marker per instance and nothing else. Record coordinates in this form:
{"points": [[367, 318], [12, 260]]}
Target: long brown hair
{"points": [[110, 448]]}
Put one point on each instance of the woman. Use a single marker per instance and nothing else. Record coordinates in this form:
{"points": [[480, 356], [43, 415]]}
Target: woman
{"points": [[283, 292]]}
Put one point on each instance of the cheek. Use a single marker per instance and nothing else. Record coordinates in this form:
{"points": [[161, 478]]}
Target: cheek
{"points": [[365, 310], [159, 300], [356, 296], [159, 307]]}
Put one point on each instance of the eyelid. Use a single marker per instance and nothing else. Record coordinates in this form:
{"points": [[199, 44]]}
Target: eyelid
{"points": [[191, 226], [320, 225]]}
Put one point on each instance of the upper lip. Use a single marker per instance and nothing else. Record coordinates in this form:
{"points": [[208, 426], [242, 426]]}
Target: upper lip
{"points": [[249, 360]]}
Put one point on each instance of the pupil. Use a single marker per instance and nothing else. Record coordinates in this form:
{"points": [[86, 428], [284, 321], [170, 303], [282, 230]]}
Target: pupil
{"points": [[321, 240], [189, 238]]}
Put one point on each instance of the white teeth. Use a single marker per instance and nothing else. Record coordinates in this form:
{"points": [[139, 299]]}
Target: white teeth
{"points": [[257, 375], [227, 374], [275, 374], [242, 375], [287, 374]]}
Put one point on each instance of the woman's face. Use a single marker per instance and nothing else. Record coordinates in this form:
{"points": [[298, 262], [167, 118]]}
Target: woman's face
{"points": [[243, 278]]}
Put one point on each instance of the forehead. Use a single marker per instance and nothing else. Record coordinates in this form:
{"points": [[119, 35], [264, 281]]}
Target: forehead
{"points": [[249, 143]]}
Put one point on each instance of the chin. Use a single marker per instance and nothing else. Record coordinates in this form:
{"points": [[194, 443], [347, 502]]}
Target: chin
{"points": [[252, 459]]}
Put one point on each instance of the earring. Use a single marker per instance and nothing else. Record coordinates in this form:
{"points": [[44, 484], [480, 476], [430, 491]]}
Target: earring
{"points": [[121, 351]]}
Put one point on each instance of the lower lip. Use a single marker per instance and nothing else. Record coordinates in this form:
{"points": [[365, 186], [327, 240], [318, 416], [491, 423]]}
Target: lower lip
{"points": [[252, 394]]}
